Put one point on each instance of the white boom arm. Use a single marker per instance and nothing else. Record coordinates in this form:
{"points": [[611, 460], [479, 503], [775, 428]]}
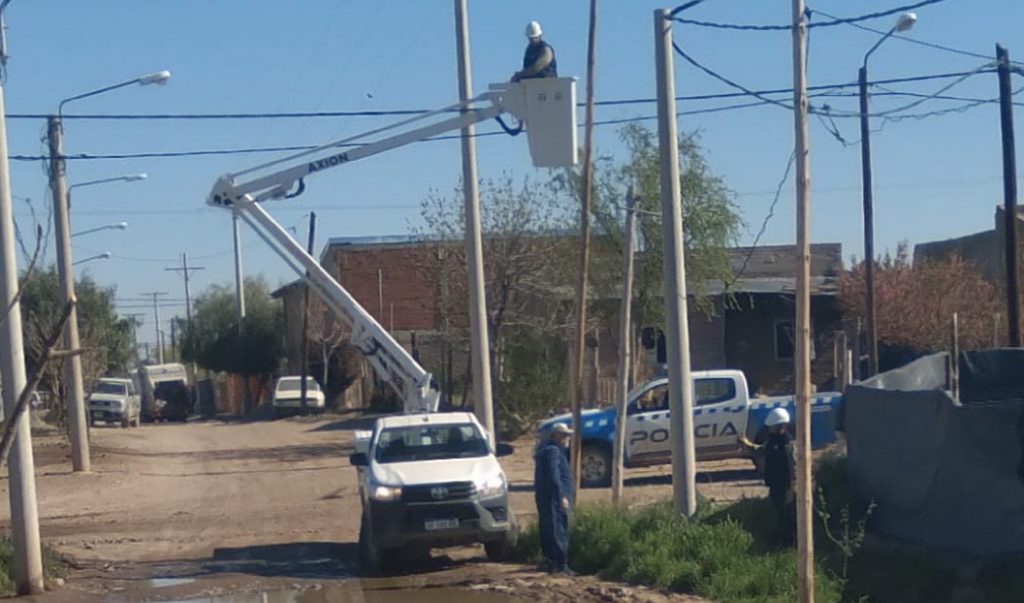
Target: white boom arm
{"points": [[389, 359]]}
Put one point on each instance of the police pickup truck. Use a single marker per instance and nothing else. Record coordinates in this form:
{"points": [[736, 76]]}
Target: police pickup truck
{"points": [[723, 412]]}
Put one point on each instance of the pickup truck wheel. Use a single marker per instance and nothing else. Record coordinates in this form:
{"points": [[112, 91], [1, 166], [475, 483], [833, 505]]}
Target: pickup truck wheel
{"points": [[595, 466], [373, 558], [501, 550]]}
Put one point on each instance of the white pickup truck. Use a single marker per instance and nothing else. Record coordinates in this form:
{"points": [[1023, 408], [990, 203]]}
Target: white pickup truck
{"points": [[430, 480], [723, 411]]}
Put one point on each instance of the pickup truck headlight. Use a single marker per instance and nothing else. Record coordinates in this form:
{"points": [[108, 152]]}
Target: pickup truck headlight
{"points": [[492, 486], [386, 493]]}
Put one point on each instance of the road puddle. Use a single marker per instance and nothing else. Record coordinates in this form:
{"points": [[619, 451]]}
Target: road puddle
{"points": [[169, 582], [355, 593]]}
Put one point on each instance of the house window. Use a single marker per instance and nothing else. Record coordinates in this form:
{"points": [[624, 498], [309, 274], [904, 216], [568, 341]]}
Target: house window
{"points": [[785, 340]]}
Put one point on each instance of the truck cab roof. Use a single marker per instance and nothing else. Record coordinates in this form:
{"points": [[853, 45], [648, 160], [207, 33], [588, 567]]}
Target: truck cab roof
{"points": [[434, 418]]}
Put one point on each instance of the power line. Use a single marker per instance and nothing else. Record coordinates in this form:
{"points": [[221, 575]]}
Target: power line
{"points": [[833, 22]]}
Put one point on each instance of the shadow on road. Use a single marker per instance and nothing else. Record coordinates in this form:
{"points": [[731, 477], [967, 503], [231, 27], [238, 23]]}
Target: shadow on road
{"points": [[347, 424], [296, 453]]}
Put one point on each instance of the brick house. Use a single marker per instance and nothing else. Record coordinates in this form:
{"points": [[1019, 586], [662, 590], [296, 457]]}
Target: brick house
{"points": [[751, 330], [986, 249]]}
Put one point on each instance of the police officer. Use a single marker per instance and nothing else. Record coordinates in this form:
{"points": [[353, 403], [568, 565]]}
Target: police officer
{"points": [[553, 492], [779, 460], [539, 58]]}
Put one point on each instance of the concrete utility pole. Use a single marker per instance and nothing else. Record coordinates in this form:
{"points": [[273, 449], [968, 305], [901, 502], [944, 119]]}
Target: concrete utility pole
{"points": [[869, 223], [582, 286], [186, 272], [625, 344], [677, 331], [28, 559], [802, 357], [305, 317], [156, 325], [134, 319], [480, 341], [78, 426], [239, 278], [1010, 197]]}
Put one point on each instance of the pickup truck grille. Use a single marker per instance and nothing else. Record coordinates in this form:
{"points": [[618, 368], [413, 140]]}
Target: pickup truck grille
{"points": [[438, 492]]}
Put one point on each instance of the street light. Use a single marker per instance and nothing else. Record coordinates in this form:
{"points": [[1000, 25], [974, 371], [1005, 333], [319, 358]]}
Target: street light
{"points": [[116, 226], [160, 78], [903, 23], [102, 256], [80, 459]]}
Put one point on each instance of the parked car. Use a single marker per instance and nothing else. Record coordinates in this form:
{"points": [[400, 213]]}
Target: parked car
{"points": [[115, 401], [722, 413], [430, 480], [288, 396]]}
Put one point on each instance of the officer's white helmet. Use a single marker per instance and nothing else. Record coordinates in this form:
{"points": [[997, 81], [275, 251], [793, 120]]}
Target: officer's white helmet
{"points": [[533, 30], [777, 416]]}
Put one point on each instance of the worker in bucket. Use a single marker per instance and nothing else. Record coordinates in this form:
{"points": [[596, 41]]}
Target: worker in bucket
{"points": [[779, 461], [553, 492], [539, 58]]}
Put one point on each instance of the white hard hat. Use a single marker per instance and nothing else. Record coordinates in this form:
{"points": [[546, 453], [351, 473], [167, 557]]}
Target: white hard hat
{"points": [[533, 30], [561, 429], [777, 416]]}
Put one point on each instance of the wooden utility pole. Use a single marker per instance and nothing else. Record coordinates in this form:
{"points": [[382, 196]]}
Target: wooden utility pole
{"points": [[586, 192], [480, 346], [1010, 195], [842, 359], [303, 389], [954, 358], [677, 331], [802, 358], [625, 342]]}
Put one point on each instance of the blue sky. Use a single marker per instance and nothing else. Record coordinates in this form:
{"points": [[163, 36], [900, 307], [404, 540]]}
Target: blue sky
{"points": [[935, 178]]}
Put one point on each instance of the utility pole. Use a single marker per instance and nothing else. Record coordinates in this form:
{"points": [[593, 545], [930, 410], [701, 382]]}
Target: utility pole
{"points": [[625, 343], [174, 340], [156, 325], [186, 272], [239, 278], [583, 285], [1010, 196], [28, 559], [869, 223], [480, 341], [133, 317], [78, 427], [677, 331], [305, 317], [802, 357]]}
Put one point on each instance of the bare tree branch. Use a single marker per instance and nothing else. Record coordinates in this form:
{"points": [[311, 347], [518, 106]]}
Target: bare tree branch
{"points": [[35, 377], [28, 273]]}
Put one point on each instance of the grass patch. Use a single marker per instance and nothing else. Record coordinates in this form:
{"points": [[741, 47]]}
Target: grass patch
{"points": [[713, 555], [54, 566]]}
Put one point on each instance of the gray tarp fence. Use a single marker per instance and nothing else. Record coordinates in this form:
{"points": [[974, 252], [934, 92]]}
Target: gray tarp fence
{"points": [[943, 474]]}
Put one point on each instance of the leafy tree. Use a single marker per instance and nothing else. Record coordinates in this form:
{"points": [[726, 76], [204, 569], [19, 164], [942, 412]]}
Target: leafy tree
{"points": [[214, 341], [105, 338], [711, 223], [915, 302]]}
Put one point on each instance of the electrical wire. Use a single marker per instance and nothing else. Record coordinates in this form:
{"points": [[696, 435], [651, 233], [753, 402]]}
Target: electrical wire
{"points": [[831, 23]]}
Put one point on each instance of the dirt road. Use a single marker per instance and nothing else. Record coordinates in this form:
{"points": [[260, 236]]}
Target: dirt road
{"points": [[252, 504]]}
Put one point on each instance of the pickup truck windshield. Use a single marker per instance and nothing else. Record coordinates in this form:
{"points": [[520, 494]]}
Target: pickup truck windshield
{"points": [[294, 385], [430, 442], [106, 387]]}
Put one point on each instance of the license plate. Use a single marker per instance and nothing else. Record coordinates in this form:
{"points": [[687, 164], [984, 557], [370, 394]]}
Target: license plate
{"points": [[441, 524], [97, 414]]}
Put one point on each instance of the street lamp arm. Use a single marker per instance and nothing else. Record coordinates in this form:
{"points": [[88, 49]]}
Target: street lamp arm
{"points": [[129, 178], [877, 44], [60, 108]]}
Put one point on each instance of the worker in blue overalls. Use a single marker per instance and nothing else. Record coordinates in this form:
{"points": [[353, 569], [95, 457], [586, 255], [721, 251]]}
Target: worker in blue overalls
{"points": [[553, 492], [539, 58]]}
